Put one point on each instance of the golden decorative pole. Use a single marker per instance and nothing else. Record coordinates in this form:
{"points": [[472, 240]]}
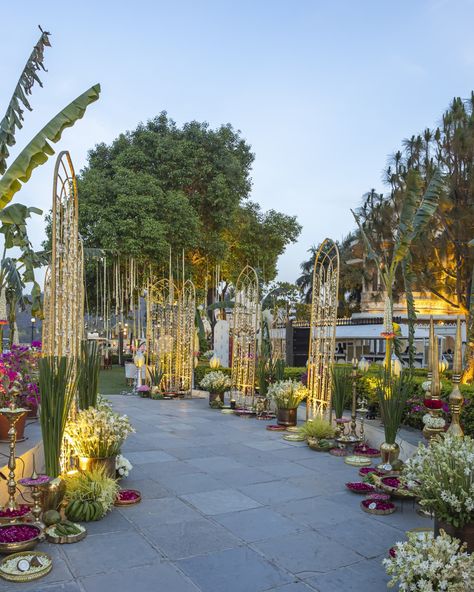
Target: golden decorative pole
{"points": [[455, 398], [435, 389], [322, 332], [246, 321], [13, 415]]}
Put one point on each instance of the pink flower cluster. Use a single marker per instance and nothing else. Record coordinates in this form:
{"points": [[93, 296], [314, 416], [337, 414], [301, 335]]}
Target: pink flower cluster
{"points": [[127, 495], [391, 482], [20, 511], [379, 505], [17, 533], [360, 487]]}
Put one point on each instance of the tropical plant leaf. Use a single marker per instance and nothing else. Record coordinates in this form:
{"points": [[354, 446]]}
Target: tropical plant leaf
{"points": [[13, 118], [408, 278], [371, 254], [39, 150], [17, 214]]}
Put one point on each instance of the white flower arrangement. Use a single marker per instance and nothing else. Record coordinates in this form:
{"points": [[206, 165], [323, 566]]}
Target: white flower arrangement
{"points": [[431, 421], [425, 564], [287, 394], [98, 432], [122, 465], [216, 382], [442, 475]]}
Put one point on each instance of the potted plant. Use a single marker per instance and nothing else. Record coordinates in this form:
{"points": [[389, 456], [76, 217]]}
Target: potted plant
{"points": [[96, 436], [318, 433], [58, 384], [88, 384], [287, 396], [442, 477], [422, 563], [392, 393], [341, 389], [90, 495], [144, 391], [217, 383]]}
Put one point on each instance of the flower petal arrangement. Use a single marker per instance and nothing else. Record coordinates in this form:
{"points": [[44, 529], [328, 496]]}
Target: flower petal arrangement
{"points": [[98, 432], [442, 477], [424, 563], [287, 394], [360, 487], [17, 533], [216, 382]]}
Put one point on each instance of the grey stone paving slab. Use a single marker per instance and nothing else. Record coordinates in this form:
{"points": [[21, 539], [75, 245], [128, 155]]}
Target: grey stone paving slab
{"points": [[191, 483], [113, 522], [293, 587], [274, 492], [307, 552], [405, 518], [108, 553], [234, 570], [168, 510], [379, 536], [220, 501], [319, 511], [214, 464], [149, 456], [42, 586], [366, 576], [190, 451], [149, 488], [187, 539], [285, 469], [258, 524], [268, 445], [159, 576], [244, 477]]}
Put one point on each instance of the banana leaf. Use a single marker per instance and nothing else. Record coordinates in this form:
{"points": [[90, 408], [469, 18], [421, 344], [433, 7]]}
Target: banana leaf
{"points": [[412, 223], [39, 150], [13, 118]]}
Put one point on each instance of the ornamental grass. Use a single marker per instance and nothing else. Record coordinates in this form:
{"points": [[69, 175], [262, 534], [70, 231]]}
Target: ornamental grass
{"points": [[393, 393]]}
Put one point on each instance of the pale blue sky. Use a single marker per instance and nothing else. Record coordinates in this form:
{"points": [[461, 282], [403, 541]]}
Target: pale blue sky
{"points": [[322, 90]]}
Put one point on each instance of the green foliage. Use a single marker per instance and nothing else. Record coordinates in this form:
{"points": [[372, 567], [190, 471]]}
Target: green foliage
{"points": [[341, 389], [393, 393], [155, 374], [57, 385], [89, 368], [87, 488], [317, 428], [13, 118], [39, 150]]}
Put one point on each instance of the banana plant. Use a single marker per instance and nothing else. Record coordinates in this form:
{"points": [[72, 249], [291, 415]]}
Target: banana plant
{"points": [[39, 149], [415, 215]]}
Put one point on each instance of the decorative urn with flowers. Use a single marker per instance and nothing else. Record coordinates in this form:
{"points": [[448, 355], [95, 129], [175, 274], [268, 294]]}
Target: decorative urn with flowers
{"points": [[217, 383], [96, 436], [287, 395]]}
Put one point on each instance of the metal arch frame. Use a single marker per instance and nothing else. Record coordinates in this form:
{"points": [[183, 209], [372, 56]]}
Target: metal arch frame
{"points": [[245, 325], [170, 332], [63, 325], [322, 336]]}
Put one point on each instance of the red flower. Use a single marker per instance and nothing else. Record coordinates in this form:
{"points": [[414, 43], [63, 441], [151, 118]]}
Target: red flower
{"points": [[433, 403]]}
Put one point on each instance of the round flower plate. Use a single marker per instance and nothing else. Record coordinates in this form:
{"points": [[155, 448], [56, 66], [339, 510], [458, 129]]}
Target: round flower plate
{"points": [[388, 484], [422, 531], [357, 461], [42, 565], [366, 451], [244, 412], [294, 437], [275, 428], [360, 487], [129, 497], [294, 429], [22, 512], [227, 410], [339, 452], [266, 416], [389, 508], [13, 543], [61, 539], [364, 471]]}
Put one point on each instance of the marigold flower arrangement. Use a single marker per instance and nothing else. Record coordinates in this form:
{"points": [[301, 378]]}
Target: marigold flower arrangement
{"points": [[98, 432], [216, 382], [442, 476], [287, 394], [425, 564]]}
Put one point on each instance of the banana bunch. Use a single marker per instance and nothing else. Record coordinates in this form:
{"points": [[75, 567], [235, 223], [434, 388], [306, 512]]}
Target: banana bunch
{"points": [[84, 510], [66, 528]]}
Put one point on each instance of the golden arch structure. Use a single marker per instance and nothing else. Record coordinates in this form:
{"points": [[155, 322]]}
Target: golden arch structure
{"points": [[63, 325], [170, 333], [322, 336], [245, 326]]}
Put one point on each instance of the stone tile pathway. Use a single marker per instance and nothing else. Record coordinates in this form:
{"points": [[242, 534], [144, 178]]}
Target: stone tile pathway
{"points": [[227, 507]]}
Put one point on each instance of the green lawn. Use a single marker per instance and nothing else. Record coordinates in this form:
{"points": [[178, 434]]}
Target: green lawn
{"points": [[112, 382]]}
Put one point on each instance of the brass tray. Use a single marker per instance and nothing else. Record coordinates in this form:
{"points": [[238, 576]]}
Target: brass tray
{"points": [[294, 437], [131, 502], [64, 539], [26, 577], [357, 461]]}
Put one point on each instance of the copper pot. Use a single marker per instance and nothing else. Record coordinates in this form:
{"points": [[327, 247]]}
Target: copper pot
{"points": [[107, 463], [287, 417], [52, 494]]}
